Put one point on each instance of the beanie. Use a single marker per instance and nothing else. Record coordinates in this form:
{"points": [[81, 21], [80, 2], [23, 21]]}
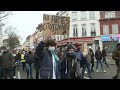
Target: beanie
{"points": [[70, 46]]}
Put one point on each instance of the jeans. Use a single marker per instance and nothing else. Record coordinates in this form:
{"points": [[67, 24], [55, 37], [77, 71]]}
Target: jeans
{"points": [[37, 71], [99, 62], [14, 70], [29, 68], [104, 60], [88, 66], [23, 64], [1, 72]]}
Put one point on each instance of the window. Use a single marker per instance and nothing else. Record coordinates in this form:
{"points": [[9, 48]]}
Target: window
{"points": [[58, 37], [92, 14], [115, 29], [105, 29], [74, 15], [93, 30], [75, 31], [61, 37], [83, 15], [110, 14], [84, 33]]}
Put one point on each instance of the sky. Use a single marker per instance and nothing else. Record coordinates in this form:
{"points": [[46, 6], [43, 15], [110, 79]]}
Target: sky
{"points": [[26, 22]]}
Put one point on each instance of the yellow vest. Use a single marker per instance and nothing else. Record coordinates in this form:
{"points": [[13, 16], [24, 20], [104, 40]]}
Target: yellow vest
{"points": [[22, 58]]}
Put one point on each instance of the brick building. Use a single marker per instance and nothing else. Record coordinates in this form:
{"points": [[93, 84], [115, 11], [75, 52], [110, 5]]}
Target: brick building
{"points": [[110, 29]]}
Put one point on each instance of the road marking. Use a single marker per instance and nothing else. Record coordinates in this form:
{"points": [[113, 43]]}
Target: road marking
{"points": [[19, 75]]}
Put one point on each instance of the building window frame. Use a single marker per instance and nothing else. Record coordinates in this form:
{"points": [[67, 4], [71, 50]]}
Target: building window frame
{"points": [[105, 29], [110, 14], [75, 30], [84, 31], [83, 15], [114, 28], [93, 29], [92, 14], [74, 15]]}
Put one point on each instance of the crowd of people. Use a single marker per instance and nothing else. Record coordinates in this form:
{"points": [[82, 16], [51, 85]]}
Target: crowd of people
{"points": [[51, 62]]}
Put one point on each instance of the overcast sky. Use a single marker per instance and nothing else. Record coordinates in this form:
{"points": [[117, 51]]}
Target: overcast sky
{"points": [[27, 21]]}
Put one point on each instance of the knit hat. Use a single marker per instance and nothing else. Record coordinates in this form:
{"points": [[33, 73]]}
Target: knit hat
{"points": [[77, 45], [70, 46]]}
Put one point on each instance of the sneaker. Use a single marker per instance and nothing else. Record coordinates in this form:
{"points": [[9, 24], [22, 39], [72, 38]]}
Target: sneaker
{"points": [[85, 72], [104, 71], [14, 77], [97, 71]]}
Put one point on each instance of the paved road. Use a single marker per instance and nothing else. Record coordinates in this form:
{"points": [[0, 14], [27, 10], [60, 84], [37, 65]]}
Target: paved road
{"points": [[96, 75]]}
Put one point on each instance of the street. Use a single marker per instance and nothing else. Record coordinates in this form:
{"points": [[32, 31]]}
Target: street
{"points": [[111, 71]]}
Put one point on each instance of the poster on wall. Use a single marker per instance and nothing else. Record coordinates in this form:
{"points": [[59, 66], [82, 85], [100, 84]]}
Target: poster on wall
{"points": [[110, 46]]}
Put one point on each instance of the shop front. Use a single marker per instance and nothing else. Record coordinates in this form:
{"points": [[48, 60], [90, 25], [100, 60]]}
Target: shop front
{"points": [[88, 40], [110, 42]]}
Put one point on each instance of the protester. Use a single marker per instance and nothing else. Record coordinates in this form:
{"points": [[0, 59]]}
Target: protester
{"points": [[18, 58], [15, 64], [37, 66], [1, 73], [23, 59], [70, 65], [92, 58], [7, 63], [29, 64], [87, 64], [49, 61], [104, 56], [61, 53], [98, 56], [116, 57]]}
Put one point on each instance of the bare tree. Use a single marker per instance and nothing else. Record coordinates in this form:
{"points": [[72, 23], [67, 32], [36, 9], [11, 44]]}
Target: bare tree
{"points": [[4, 15], [13, 38]]}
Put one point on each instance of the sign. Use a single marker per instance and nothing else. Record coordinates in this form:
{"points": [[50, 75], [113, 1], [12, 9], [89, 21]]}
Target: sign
{"points": [[108, 38], [56, 24], [76, 40], [82, 39]]}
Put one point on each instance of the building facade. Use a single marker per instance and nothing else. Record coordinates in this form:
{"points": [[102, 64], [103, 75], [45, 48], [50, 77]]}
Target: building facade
{"points": [[110, 29], [84, 24]]}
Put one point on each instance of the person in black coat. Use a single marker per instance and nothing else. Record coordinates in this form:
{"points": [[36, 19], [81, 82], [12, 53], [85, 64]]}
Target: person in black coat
{"points": [[49, 61], [104, 56], [98, 56]]}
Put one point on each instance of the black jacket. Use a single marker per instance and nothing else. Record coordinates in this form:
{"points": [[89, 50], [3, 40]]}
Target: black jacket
{"points": [[98, 55], [45, 61], [104, 52]]}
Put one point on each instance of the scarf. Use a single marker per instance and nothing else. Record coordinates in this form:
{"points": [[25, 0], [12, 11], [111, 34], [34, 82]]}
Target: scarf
{"points": [[56, 57]]}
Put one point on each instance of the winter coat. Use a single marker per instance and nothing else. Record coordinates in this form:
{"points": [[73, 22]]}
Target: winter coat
{"points": [[18, 57], [29, 58], [7, 60], [98, 55], [104, 52], [45, 61], [116, 55], [72, 71], [79, 56]]}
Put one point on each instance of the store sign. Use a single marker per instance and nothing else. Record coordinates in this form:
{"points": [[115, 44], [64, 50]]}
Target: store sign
{"points": [[108, 38], [82, 39]]}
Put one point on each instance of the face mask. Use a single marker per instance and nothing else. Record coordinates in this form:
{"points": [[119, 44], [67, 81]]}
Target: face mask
{"points": [[51, 49], [14, 55], [2, 51], [71, 54]]}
